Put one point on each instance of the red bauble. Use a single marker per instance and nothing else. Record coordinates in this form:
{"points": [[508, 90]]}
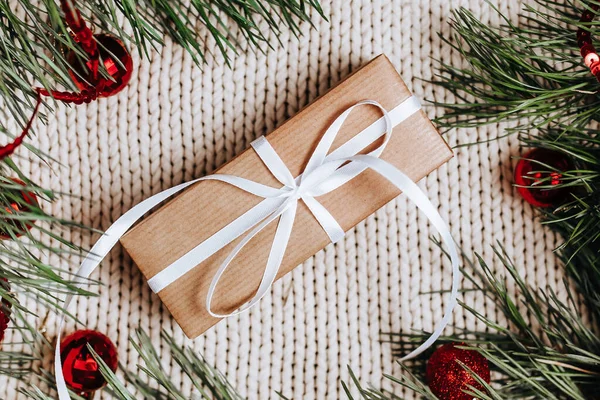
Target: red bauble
{"points": [[80, 369], [4, 320], [117, 62], [529, 173], [4, 310], [447, 378], [28, 198]]}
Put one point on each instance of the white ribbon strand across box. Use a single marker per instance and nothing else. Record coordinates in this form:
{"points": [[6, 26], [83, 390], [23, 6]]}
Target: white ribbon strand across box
{"points": [[323, 173]]}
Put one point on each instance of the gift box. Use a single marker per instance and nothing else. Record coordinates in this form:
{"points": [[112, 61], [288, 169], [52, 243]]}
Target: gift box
{"points": [[205, 208]]}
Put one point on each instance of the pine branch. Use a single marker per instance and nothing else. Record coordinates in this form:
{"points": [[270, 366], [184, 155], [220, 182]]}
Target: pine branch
{"points": [[531, 71], [34, 393], [34, 51], [117, 387], [558, 360], [407, 379], [578, 219], [26, 239], [209, 383], [533, 74]]}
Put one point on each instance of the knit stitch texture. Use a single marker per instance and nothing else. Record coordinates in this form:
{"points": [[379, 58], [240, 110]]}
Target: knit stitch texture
{"points": [[176, 121]]}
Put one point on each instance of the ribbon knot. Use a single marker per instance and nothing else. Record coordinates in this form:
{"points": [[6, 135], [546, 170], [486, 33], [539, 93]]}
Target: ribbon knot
{"points": [[325, 171]]}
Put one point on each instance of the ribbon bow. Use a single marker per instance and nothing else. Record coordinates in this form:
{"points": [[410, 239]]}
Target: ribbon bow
{"points": [[323, 173]]}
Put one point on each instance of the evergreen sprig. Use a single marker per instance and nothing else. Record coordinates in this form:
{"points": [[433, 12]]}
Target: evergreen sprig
{"points": [[531, 74], [28, 236], [543, 351], [209, 384], [33, 52]]}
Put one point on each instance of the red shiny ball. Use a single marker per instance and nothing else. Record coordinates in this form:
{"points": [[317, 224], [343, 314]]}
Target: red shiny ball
{"points": [[117, 62], [532, 170], [80, 369], [13, 207], [447, 378]]}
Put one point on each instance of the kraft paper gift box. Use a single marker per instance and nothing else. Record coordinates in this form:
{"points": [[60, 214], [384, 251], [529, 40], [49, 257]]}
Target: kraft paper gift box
{"points": [[416, 148]]}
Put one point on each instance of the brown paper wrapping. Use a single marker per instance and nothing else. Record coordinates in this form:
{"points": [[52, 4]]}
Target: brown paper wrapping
{"points": [[416, 148]]}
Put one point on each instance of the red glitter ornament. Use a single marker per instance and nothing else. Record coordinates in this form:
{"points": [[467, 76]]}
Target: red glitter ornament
{"points": [[532, 170], [93, 82], [447, 378], [17, 227], [81, 371], [4, 310], [88, 76], [116, 60]]}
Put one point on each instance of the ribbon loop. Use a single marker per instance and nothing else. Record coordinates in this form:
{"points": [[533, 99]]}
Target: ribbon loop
{"points": [[273, 162], [323, 173], [319, 169], [282, 235]]}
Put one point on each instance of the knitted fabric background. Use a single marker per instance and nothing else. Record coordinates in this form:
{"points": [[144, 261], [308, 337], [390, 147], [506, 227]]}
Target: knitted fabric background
{"points": [[176, 121]]}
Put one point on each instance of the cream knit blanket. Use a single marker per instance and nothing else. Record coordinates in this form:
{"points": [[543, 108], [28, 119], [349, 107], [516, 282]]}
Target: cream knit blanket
{"points": [[176, 121]]}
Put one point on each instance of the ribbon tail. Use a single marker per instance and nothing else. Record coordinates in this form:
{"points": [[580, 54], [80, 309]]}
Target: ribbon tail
{"points": [[102, 247], [61, 384], [416, 195], [325, 219]]}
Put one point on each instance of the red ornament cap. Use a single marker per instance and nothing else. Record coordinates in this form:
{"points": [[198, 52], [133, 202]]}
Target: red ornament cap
{"points": [[117, 62], [532, 170], [447, 378], [80, 369], [14, 207]]}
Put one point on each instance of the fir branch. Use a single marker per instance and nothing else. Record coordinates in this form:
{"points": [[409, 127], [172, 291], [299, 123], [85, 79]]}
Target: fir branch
{"points": [[35, 393], [117, 387], [15, 364], [209, 383], [578, 219], [559, 360], [515, 72], [27, 276], [33, 51], [533, 73], [406, 379]]}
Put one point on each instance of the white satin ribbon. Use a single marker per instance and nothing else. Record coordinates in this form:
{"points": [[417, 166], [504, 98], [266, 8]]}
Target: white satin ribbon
{"points": [[323, 173]]}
